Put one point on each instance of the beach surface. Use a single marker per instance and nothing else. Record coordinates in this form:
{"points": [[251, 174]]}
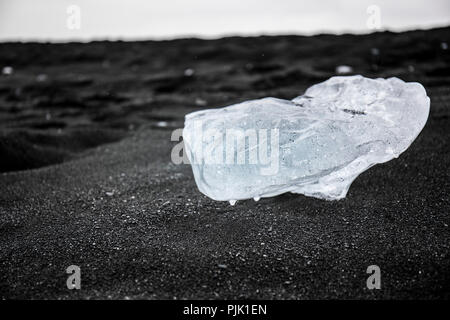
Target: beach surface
{"points": [[86, 176]]}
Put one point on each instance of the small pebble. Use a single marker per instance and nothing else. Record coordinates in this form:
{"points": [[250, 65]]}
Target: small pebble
{"points": [[344, 69], [7, 71], [189, 72]]}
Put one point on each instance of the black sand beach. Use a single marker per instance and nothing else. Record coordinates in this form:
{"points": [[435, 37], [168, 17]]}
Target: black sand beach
{"points": [[87, 179]]}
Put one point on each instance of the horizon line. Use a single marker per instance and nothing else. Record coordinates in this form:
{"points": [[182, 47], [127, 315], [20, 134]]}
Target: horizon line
{"points": [[221, 36]]}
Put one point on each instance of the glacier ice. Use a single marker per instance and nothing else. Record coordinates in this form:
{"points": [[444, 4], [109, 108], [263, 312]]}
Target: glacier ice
{"points": [[315, 144]]}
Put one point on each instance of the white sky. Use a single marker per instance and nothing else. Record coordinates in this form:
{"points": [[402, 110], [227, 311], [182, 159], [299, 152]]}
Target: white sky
{"points": [[46, 20]]}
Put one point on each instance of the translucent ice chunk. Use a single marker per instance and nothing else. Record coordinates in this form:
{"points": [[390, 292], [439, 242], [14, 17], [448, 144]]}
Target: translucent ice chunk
{"points": [[316, 144]]}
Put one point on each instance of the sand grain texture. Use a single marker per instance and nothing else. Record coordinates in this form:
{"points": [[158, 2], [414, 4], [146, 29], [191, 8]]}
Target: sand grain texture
{"points": [[87, 178]]}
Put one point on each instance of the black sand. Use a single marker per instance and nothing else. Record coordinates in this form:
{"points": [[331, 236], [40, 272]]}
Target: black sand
{"points": [[87, 177]]}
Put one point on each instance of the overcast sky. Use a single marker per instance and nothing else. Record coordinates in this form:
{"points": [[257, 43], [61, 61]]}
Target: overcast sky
{"points": [[50, 20]]}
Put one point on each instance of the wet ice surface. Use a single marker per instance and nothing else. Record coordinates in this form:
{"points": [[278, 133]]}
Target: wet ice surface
{"points": [[316, 144]]}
